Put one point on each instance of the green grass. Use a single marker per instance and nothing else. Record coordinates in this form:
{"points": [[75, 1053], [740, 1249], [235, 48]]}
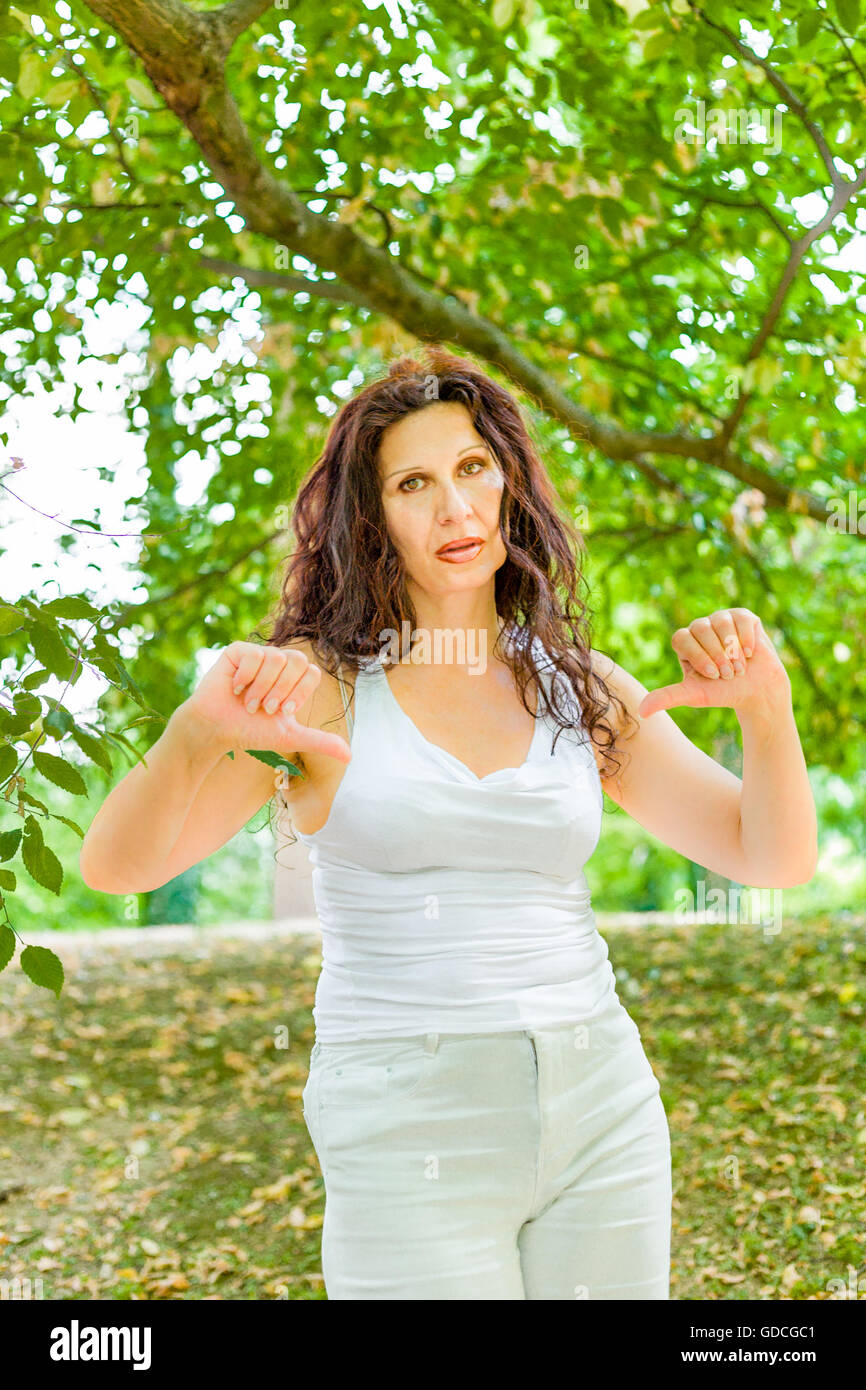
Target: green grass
{"points": [[153, 1144]]}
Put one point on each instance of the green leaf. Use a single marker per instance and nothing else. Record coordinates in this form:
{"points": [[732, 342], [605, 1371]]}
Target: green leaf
{"points": [[11, 619], [40, 862], [7, 945], [95, 748], [8, 760], [71, 823], [59, 771], [43, 967], [611, 215], [143, 94], [28, 708], [657, 44], [34, 678], [124, 744], [71, 607], [51, 650], [9, 842], [58, 721], [7, 881], [23, 19], [848, 12], [106, 664], [60, 92], [33, 75], [146, 719], [808, 25], [649, 18], [503, 12], [129, 684], [274, 760]]}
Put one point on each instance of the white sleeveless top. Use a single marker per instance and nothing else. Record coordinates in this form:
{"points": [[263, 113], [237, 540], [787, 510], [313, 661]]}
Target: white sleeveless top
{"points": [[452, 903]]}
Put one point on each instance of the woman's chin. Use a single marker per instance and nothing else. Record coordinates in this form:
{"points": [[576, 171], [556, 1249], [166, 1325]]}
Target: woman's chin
{"points": [[460, 578], [447, 576]]}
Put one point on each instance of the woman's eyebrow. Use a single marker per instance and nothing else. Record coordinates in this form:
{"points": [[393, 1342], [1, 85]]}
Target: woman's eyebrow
{"points": [[413, 468]]}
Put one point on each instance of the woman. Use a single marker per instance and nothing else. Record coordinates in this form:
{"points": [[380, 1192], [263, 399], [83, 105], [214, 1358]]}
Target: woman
{"points": [[487, 1122]]}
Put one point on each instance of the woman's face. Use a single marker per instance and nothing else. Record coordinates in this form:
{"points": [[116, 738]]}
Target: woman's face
{"points": [[441, 483]]}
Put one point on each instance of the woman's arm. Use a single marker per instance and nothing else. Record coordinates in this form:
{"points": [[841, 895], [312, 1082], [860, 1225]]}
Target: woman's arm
{"points": [[191, 798], [761, 831], [187, 802], [778, 821]]}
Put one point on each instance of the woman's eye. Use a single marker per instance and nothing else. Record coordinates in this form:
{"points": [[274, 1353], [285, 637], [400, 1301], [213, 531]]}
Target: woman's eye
{"points": [[481, 463]]}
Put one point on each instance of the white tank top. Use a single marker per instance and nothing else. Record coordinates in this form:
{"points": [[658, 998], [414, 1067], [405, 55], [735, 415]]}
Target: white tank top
{"points": [[452, 903]]}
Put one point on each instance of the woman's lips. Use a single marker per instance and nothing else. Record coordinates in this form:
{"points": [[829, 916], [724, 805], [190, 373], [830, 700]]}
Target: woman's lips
{"points": [[460, 556]]}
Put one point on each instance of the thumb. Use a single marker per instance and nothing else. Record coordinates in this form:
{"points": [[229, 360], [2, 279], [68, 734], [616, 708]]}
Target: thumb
{"points": [[666, 697], [331, 745]]}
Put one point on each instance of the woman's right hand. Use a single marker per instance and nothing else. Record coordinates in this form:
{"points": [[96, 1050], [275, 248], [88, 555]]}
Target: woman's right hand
{"points": [[269, 679]]}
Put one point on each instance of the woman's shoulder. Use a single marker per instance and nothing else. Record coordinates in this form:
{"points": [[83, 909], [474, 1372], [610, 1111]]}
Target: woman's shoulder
{"points": [[620, 683], [609, 670], [602, 665]]}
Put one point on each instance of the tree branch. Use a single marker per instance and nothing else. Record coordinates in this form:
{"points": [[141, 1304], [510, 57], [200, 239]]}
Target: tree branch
{"points": [[233, 18], [847, 44], [799, 248], [183, 57], [788, 95], [711, 194], [123, 616], [276, 279], [843, 190], [341, 294], [178, 54]]}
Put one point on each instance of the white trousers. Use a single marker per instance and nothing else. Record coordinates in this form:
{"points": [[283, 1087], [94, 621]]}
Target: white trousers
{"points": [[514, 1165]]}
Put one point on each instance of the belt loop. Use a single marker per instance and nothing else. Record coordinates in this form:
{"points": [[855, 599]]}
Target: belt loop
{"points": [[431, 1042]]}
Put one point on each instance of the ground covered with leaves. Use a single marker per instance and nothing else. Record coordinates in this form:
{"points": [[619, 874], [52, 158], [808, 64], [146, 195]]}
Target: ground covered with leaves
{"points": [[152, 1144]]}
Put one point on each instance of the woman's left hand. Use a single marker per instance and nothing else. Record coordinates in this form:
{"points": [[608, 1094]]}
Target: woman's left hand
{"points": [[731, 639]]}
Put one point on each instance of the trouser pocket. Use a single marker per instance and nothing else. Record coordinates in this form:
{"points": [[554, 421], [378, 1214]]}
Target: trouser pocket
{"points": [[375, 1069], [367, 1093]]}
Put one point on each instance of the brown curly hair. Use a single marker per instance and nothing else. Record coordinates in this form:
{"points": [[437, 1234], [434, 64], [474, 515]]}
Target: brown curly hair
{"points": [[343, 584]]}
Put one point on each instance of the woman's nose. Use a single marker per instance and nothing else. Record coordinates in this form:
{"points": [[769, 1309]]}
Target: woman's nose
{"points": [[453, 503]]}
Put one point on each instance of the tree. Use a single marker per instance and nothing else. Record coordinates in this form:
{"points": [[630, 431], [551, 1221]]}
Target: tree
{"points": [[636, 214]]}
